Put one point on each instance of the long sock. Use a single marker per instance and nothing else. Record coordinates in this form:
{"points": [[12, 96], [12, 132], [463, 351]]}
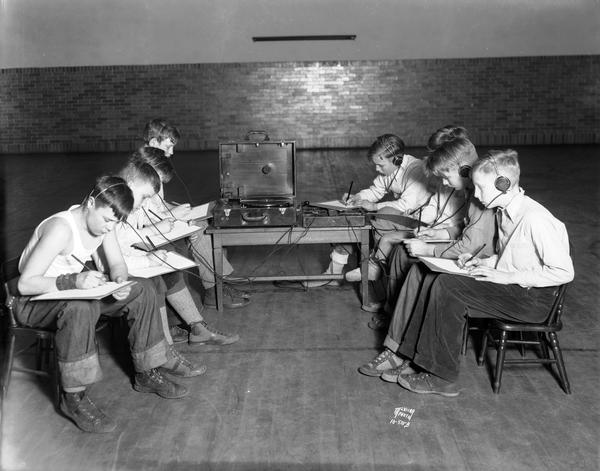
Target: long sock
{"points": [[184, 305]]}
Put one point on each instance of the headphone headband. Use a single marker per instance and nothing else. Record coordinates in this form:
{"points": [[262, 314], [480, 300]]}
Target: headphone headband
{"points": [[501, 182]]}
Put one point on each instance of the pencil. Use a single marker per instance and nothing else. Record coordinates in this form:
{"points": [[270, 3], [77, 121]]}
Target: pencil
{"points": [[349, 190], [154, 214], [151, 243], [79, 261], [476, 253]]}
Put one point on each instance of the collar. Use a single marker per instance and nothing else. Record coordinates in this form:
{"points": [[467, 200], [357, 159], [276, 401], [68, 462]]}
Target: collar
{"points": [[512, 209]]}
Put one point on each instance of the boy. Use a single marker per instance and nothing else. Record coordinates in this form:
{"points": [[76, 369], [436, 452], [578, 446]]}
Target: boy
{"points": [[400, 175], [51, 261], [145, 182], [518, 282], [160, 134]]}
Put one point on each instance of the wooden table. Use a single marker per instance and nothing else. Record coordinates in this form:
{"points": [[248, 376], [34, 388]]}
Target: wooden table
{"points": [[239, 236]]}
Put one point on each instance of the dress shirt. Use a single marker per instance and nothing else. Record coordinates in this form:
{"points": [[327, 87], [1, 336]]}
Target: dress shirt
{"points": [[408, 185], [533, 244]]}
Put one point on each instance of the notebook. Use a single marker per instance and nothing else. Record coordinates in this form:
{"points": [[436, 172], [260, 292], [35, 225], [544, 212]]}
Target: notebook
{"points": [[174, 262], [98, 292]]}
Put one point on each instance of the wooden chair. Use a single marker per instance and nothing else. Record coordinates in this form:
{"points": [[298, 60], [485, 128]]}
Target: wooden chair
{"points": [[43, 341], [544, 335]]}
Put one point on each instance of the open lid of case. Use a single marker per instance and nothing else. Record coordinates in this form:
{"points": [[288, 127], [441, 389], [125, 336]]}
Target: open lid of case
{"points": [[257, 168]]}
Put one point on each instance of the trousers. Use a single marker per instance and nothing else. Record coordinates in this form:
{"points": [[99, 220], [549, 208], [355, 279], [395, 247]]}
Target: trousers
{"points": [[433, 335], [75, 325]]}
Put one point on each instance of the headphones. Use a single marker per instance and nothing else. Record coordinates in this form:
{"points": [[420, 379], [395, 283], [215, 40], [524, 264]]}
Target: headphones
{"points": [[501, 182], [91, 196], [464, 171], [396, 159]]}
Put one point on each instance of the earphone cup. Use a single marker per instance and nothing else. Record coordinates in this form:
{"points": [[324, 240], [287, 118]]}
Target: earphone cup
{"points": [[502, 184], [464, 171], [397, 161]]}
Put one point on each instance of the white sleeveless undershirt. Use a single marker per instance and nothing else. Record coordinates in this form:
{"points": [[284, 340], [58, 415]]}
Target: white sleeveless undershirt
{"points": [[62, 264]]}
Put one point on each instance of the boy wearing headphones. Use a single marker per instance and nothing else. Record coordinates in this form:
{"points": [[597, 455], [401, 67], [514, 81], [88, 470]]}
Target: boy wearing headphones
{"points": [[53, 261], [400, 187], [159, 133], [516, 283]]}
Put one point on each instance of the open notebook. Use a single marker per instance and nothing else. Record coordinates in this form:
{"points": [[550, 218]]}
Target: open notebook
{"points": [[444, 265], [180, 230], [98, 292], [174, 262], [200, 213]]}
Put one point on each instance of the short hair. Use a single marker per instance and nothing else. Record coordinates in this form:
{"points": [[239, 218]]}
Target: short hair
{"points": [[160, 129], [503, 163], [157, 159], [445, 134], [452, 154], [142, 172], [387, 146], [113, 192]]}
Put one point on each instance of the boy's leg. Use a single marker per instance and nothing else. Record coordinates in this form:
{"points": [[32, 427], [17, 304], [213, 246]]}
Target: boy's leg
{"points": [[435, 344], [77, 356], [149, 348]]}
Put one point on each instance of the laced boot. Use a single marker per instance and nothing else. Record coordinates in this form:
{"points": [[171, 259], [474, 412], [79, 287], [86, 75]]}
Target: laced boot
{"points": [[152, 381], [179, 365], [84, 413], [202, 334]]}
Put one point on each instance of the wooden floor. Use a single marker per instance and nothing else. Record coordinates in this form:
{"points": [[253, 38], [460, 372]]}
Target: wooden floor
{"points": [[288, 395]]}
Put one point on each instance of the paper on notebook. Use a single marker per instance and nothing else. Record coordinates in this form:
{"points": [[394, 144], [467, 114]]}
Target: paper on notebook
{"points": [[98, 292], [444, 265], [173, 260], [334, 204], [200, 212], [180, 230]]}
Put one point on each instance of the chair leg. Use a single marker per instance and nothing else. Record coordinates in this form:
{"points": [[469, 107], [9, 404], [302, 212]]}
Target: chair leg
{"points": [[521, 346], [10, 353], [560, 364], [55, 375], [484, 344], [500, 360], [463, 350], [543, 346]]}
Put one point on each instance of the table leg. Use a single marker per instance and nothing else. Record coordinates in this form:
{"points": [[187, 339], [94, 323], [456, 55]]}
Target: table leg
{"points": [[364, 265], [218, 264]]}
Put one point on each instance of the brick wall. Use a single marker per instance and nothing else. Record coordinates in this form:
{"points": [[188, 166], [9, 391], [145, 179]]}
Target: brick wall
{"points": [[527, 100]]}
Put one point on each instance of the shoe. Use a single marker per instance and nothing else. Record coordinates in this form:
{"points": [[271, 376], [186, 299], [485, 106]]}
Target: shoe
{"points": [[178, 334], [386, 360], [332, 269], [231, 298], [85, 414], [152, 381], [181, 366], [426, 383], [372, 306], [202, 334], [381, 322], [391, 376], [374, 272]]}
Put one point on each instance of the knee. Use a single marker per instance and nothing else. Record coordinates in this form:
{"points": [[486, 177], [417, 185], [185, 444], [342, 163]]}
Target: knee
{"points": [[79, 313]]}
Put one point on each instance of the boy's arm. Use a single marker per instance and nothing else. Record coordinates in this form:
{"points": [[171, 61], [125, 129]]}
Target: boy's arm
{"points": [[551, 244], [117, 268], [413, 187], [55, 237], [473, 235], [375, 192]]}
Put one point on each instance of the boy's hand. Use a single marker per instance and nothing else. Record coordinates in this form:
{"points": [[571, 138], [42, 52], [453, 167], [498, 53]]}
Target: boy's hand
{"points": [[348, 200], [122, 293], [89, 279], [166, 225], [431, 233], [418, 248], [483, 273], [182, 211]]}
